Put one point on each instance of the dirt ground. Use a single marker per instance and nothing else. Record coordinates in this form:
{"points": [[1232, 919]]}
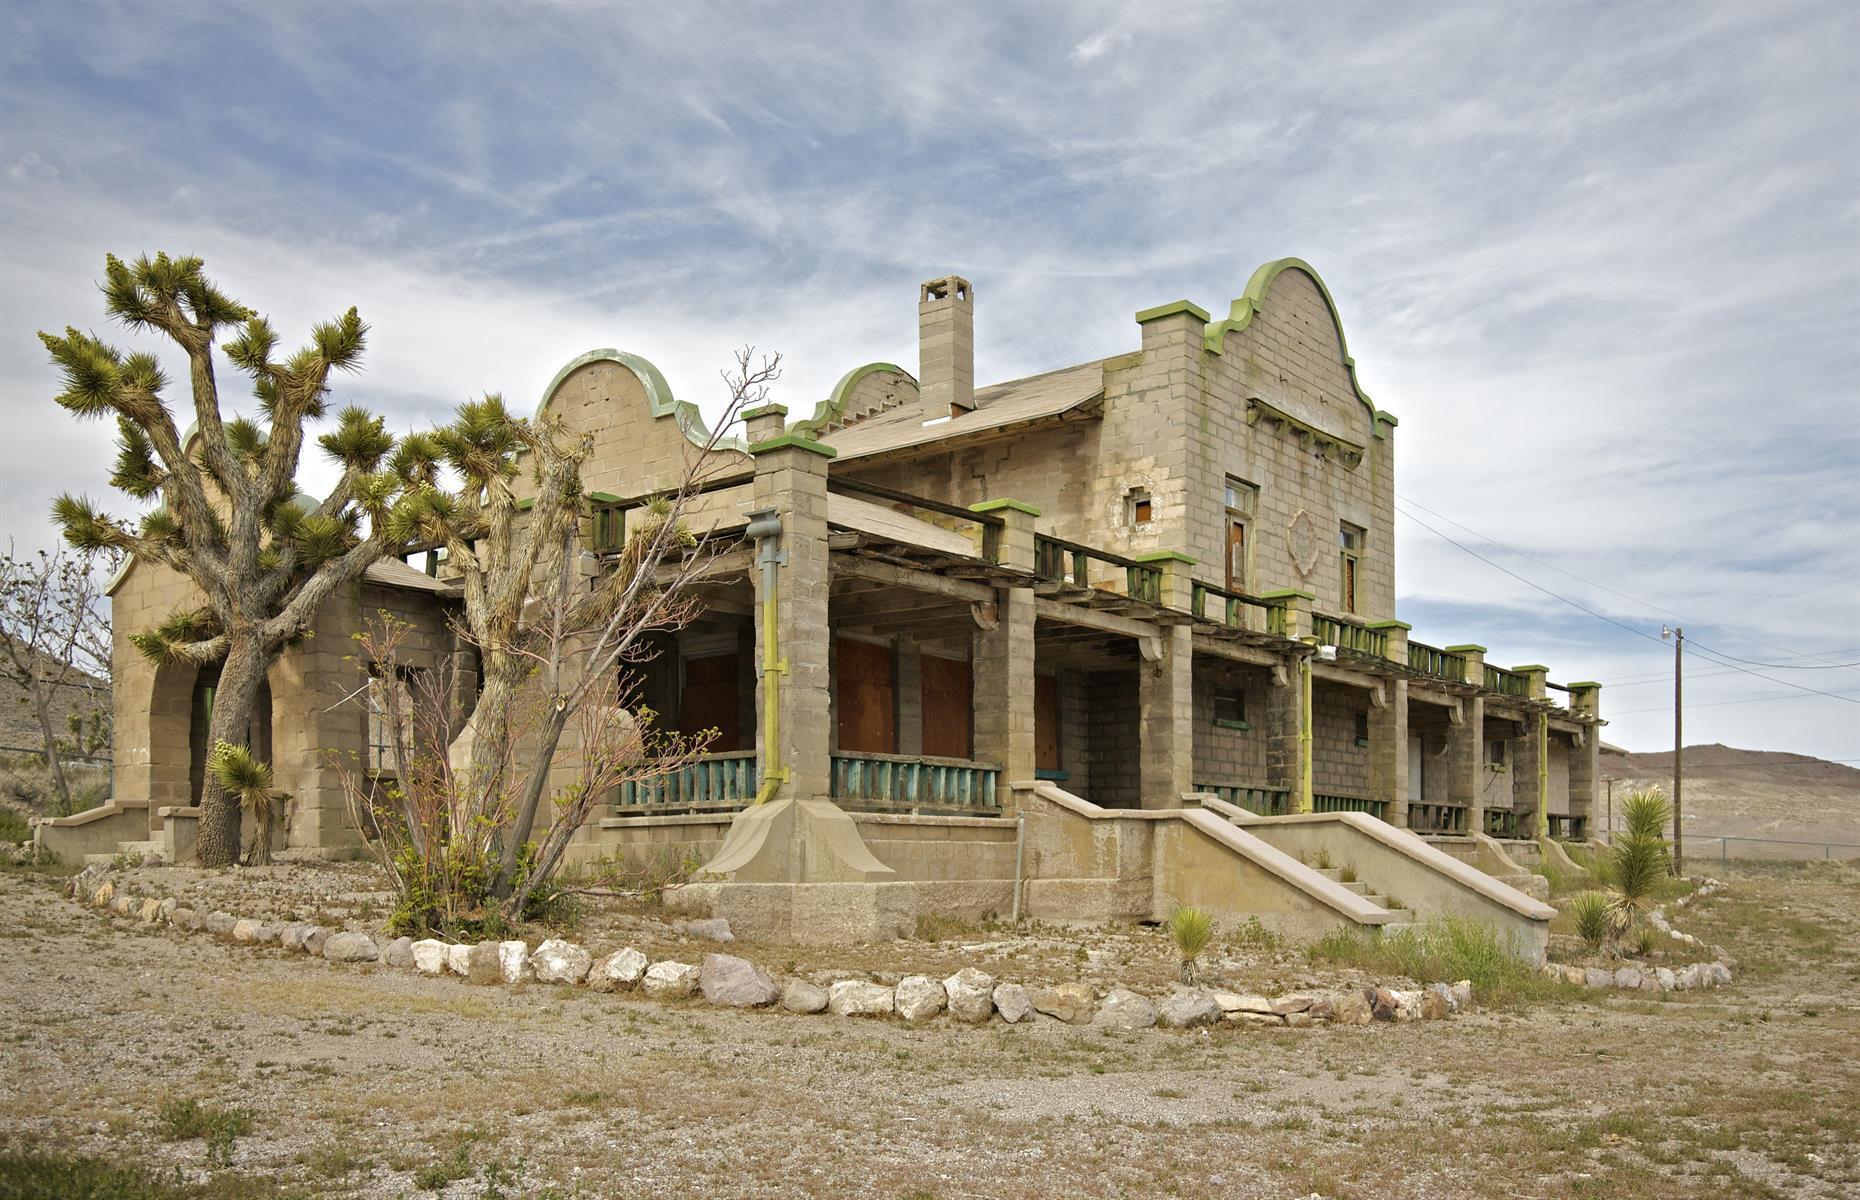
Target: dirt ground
{"points": [[378, 1083]]}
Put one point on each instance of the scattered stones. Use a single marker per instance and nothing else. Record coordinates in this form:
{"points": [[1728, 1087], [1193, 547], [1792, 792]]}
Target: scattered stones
{"points": [[1352, 1008], [1012, 1002], [1595, 977], [1436, 1003], [483, 966], [918, 998], [557, 961], [150, 912], [458, 960], [1073, 1003], [429, 956], [619, 970], [1627, 978], [1189, 1008], [857, 998], [971, 995], [513, 961], [1298, 1020], [1242, 1002], [105, 893], [245, 930], [350, 947], [398, 953], [1124, 1009], [184, 918], [314, 939], [735, 982], [666, 980], [291, 937], [167, 907], [800, 996], [711, 929], [220, 924], [1462, 995], [1382, 1004], [1286, 1005]]}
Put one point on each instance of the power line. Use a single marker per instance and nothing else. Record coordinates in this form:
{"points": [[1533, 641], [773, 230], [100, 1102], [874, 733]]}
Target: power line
{"points": [[1615, 592], [1666, 676], [1634, 712], [1597, 615]]}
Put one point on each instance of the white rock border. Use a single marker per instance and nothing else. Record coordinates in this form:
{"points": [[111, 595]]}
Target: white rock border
{"points": [[970, 996]]}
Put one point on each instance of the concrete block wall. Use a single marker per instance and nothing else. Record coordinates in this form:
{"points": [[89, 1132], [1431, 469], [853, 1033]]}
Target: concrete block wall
{"points": [[1338, 764], [1225, 755], [1114, 735]]}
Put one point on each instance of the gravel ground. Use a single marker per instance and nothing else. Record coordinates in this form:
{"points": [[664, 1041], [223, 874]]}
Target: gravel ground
{"points": [[379, 1083]]}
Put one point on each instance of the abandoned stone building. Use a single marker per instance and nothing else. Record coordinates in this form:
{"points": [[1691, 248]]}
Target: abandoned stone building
{"points": [[1083, 645]]}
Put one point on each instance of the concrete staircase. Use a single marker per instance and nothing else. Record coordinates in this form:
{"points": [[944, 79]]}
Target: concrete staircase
{"points": [[1398, 913]]}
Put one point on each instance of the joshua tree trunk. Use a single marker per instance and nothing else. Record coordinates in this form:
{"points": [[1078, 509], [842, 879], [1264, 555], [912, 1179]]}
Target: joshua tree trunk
{"points": [[235, 699]]}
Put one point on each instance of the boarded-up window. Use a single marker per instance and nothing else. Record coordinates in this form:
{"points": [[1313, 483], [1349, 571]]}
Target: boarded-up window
{"points": [[949, 704], [865, 697], [1046, 722], [711, 700]]}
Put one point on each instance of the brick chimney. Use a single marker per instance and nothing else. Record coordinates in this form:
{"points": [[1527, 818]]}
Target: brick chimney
{"points": [[946, 345]]}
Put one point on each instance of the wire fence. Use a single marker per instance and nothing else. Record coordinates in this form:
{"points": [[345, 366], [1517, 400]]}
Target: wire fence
{"points": [[1727, 848]]}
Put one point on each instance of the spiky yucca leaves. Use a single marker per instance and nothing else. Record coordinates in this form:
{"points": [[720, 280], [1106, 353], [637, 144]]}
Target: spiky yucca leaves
{"points": [[1191, 930], [1590, 912], [178, 638], [244, 777], [481, 444], [1640, 858]]}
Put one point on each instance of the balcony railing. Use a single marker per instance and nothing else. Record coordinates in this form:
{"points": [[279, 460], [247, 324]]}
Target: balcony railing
{"points": [[1320, 802], [1232, 609], [1506, 823], [1348, 635], [1437, 818], [1061, 561], [1569, 829], [726, 780], [936, 512], [1432, 660], [915, 782], [1506, 683], [1265, 801]]}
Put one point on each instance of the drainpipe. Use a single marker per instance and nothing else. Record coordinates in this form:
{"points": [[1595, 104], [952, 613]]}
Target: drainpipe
{"points": [[765, 528], [1543, 775], [1020, 851], [1304, 735]]}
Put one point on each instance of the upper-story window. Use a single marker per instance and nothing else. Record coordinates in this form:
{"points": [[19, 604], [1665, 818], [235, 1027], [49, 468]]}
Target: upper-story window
{"points": [[1242, 502], [1350, 540], [1139, 509]]}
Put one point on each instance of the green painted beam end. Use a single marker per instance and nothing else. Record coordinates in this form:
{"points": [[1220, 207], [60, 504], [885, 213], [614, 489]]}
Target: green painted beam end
{"points": [[794, 441], [1171, 309], [1018, 506]]}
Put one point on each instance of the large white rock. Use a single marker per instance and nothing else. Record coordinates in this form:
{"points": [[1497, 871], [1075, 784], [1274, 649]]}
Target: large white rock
{"points": [[971, 995], [1012, 1002], [670, 980], [711, 929], [800, 996], [1241, 1002], [735, 982], [1073, 1003], [429, 956], [621, 969], [458, 960], [857, 998], [1188, 1008], [1628, 978], [918, 998], [398, 953], [557, 961], [513, 960], [314, 937], [351, 947], [1124, 1009]]}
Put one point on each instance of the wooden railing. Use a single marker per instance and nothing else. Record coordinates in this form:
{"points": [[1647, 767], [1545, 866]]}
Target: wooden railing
{"points": [[1348, 635], [725, 780], [915, 782], [1506, 823], [1321, 802], [989, 523], [1266, 801], [1506, 683], [1230, 609], [1432, 660], [1061, 561], [1569, 829], [1437, 818]]}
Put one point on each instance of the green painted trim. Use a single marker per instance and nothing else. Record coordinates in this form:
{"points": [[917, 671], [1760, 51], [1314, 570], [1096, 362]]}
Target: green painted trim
{"points": [[1287, 594], [1587, 683], [1468, 648], [765, 410], [603, 497], [1004, 503], [1389, 624], [1151, 556], [1242, 726], [1240, 314], [834, 406], [659, 396], [794, 441], [1387, 418], [1530, 667], [1171, 309]]}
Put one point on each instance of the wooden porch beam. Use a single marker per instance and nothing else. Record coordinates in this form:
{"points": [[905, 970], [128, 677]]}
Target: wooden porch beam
{"points": [[1235, 652], [1092, 618], [920, 581]]}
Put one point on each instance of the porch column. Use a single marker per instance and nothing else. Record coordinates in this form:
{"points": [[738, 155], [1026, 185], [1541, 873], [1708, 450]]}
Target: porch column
{"points": [[791, 480], [1285, 730], [1530, 790], [1388, 749], [1465, 757], [1166, 708], [910, 693], [1003, 675], [1585, 762]]}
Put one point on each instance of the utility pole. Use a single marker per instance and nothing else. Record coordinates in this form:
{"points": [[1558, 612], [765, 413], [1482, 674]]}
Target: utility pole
{"points": [[1679, 750]]}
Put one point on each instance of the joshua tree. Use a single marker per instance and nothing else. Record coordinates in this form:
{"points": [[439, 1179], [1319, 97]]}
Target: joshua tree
{"points": [[243, 777], [230, 518]]}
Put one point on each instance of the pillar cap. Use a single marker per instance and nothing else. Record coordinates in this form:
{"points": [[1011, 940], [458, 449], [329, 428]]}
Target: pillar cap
{"points": [[603, 497], [1151, 556], [1388, 624], [1531, 667], [764, 410], [1019, 506], [1171, 309], [1468, 648], [1286, 594], [794, 441], [1586, 685]]}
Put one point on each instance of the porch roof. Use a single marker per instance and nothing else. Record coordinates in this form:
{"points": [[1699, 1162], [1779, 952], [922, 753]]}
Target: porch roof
{"points": [[1016, 402]]}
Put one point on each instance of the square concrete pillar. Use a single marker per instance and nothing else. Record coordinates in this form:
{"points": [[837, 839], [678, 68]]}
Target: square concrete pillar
{"points": [[1530, 785], [1012, 540], [1536, 680], [1475, 662], [1291, 613], [1465, 760], [1285, 732], [1166, 712], [1177, 585], [1388, 749], [1004, 689], [791, 482], [1585, 765], [910, 696], [765, 422], [1396, 650]]}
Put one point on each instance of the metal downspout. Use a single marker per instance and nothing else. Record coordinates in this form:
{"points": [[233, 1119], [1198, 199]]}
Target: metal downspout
{"points": [[765, 528], [1304, 736]]}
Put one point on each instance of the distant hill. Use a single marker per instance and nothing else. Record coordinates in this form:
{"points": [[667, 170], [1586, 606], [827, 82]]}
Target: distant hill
{"points": [[1752, 793], [19, 724]]}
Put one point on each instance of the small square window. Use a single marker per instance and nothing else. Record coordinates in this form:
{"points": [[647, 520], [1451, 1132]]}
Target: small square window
{"points": [[1139, 507], [1242, 497], [1362, 729], [1495, 752], [1350, 537], [1230, 709]]}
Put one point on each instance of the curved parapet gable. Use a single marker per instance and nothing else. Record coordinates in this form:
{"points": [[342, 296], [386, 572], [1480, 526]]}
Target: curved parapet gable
{"points": [[1240, 314], [833, 410], [659, 396]]}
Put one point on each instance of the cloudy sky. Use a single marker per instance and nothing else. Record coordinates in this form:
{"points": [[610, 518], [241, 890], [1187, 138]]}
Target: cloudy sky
{"points": [[1602, 261]]}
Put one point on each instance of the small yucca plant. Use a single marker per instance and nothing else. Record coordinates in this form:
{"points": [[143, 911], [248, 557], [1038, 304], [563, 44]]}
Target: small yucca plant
{"points": [[248, 780], [1191, 930], [1640, 858], [1590, 912]]}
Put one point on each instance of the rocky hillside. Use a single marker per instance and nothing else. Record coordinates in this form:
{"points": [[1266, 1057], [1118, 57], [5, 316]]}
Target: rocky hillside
{"points": [[1753, 793]]}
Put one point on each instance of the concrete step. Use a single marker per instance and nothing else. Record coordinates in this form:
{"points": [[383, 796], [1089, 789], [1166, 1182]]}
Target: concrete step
{"points": [[1357, 886], [1334, 874], [1378, 901], [1401, 916]]}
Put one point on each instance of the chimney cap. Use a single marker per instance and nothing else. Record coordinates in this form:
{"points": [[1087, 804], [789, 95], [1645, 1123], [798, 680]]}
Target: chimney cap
{"points": [[947, 288]]}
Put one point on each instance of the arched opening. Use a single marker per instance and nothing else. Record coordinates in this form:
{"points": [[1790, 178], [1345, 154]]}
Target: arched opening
{"points": [[200, 722]]}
